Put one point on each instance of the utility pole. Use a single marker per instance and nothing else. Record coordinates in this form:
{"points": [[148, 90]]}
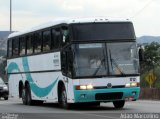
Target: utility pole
{"points": [[10, 16]]}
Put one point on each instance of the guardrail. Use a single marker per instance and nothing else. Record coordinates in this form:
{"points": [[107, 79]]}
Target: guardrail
{"points": [[150, 93]]}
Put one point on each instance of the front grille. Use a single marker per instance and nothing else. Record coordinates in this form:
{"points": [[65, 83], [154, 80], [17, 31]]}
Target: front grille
{"points": [[104, 87], [109, 96]]}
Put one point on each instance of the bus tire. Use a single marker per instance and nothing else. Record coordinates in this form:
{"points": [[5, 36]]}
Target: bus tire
{"points": [[28, 95], [24, 98], [119, 104], [63, 99], [5, 98]]}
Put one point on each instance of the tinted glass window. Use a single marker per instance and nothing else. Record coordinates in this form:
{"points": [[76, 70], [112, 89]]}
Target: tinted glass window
{"points": [[46, 40], [57, 39], [37, 42], [22, 46], [103, 31], [15, 47], [65, 37], [29, 45], [9, 48], [53, 43]]}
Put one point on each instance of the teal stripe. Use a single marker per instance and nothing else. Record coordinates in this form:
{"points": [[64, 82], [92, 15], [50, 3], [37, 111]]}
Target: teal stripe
{"points": [[12, 66], [38, 91]]}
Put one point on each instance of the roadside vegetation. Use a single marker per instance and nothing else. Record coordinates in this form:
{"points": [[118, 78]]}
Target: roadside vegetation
{"points": [[150, 67]]}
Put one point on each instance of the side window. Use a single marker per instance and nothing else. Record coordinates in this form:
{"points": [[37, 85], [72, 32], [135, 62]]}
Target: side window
{"points": [[15, 47], [22, 46], [67, 62], [29, 44], [53, 43], [65, 36], [46, 41], [37, 42], [58, 38], [9, 48]]}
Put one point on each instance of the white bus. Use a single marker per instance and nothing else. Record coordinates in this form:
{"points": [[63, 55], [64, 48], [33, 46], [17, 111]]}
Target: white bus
{"points": [[75, 61]]}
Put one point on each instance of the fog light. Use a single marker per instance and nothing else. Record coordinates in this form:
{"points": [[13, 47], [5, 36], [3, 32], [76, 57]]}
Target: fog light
{"points": [[133, 93], [83, 95]]}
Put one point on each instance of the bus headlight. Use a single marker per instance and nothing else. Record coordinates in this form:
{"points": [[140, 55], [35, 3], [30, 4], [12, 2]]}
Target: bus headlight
{"points": [[134, 84], [89, 87], [84, 87], [128, 85]]}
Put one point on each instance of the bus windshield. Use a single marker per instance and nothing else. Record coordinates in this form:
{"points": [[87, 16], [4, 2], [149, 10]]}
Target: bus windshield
{"points": [[90, 60], [123, 58], [103, 59]]}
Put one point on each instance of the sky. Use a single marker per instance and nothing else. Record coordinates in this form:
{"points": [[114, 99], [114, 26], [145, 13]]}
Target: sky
{"points": [[145, 14]]}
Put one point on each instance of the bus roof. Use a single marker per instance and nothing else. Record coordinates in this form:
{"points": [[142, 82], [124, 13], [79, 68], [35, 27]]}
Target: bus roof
{"points": [[66, 21]]}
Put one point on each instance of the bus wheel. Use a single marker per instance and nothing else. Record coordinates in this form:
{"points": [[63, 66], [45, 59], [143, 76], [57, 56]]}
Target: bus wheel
{"points": [[119, 104], [28, 95], [5, 98], [63, 99], [24, 99]]}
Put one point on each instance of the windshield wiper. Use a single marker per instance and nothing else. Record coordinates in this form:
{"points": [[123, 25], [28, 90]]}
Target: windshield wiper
{"points": [[102, 60], [115, 63]]}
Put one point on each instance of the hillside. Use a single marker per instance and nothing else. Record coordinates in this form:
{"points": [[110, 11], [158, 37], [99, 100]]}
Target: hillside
{"points": [[148, 39], [4, 34]]}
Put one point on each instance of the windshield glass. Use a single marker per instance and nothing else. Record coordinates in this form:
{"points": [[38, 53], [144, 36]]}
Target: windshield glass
{"points": [[103, 59], [123, 58], [90, 59]]}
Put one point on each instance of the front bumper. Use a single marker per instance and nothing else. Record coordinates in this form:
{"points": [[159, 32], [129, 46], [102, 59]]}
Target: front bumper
{"points": [[106, 95], [3, 93]]}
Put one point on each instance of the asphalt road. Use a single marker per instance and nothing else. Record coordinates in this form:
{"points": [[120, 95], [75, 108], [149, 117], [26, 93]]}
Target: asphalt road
{"points": [[14, 109]]}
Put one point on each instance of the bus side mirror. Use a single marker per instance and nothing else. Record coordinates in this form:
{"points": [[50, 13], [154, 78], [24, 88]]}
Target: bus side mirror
{"points": [[141, 55]]}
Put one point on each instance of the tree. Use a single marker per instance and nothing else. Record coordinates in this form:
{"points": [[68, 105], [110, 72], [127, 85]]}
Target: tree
{"points": [[3, 64], [151, 62]]}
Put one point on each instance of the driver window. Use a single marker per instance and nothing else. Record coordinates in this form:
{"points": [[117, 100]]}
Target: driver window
{"points": [[67, 66]]}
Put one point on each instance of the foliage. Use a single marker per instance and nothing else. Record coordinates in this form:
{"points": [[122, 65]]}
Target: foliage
{"points": [[3, 65], [151, 62], [2, 52]]}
